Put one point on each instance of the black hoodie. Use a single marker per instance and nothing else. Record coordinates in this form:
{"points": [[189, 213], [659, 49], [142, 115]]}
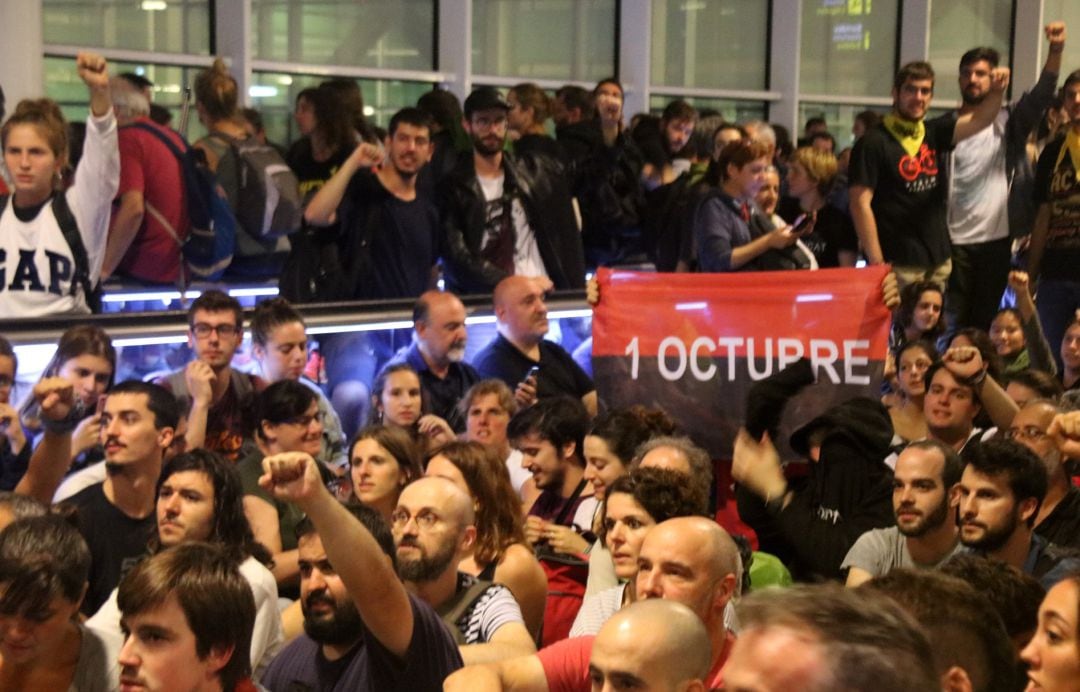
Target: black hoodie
{"points": [[848, 490]]}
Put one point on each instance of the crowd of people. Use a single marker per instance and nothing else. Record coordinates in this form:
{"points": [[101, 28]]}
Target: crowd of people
{"points": [[492, 524]]}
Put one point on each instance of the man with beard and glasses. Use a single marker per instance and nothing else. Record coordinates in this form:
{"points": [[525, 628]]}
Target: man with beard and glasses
{"points": [[437, 354], [505, 214], [925, 534], [433, 528], [362, 630], [1058, 520], [115, 516], [991, 184], [999, 494], [390, 238]]}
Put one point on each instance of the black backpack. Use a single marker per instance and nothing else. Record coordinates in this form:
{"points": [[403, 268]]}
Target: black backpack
{"points": [[80, 275]]}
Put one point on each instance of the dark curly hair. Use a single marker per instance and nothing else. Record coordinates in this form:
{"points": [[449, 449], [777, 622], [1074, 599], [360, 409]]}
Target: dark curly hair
{"points": [[624, 429], [662, 493], [909, 299]]}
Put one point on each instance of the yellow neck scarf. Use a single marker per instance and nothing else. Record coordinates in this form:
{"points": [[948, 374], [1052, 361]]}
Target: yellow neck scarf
{"points": [[909, 134], [1072, 145]]}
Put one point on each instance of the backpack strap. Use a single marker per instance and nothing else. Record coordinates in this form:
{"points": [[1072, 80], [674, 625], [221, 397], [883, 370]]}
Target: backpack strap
{"points": [[463, 601], [81, 272]]}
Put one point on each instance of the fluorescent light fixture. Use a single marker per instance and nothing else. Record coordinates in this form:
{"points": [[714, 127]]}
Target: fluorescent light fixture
{"points": [[369, 111], [480, 319], [151, 340], [563, 314], [285, 79], [691, 306], [814, 298], [154, 5], [163, 296], [253, 292], [259, 91], [347, 328]]}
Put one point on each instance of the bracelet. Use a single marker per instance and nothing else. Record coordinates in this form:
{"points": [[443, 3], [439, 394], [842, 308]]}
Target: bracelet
{"points": [[59, 427], [975, 380]]}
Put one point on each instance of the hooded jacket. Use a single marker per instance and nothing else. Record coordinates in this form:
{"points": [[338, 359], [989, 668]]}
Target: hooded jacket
{"points": [[847, 492]]}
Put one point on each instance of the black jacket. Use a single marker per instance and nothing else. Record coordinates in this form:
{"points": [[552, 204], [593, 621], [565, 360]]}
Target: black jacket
{"points": [[848, 490], [545, 195]]}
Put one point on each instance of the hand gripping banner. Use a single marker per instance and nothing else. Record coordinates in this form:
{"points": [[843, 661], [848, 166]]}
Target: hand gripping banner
{"points": [[693, 344]]}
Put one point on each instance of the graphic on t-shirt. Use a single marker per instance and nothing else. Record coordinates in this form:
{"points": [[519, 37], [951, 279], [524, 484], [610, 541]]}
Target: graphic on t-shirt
{"points": [[924, 164], [498, 244], [1063, 230]]}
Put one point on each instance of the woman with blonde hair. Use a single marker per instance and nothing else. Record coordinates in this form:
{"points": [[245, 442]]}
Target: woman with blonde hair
{"points": [[811, 175], [530, 108]]}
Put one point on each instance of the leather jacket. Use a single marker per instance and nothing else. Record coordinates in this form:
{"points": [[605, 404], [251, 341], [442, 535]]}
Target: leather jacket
{"points": [[545, 195]]}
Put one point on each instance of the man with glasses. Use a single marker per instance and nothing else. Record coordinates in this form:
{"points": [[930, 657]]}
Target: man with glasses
{"points": [[506, 215], [1058, 520], [433, 529], [214, 395], [362, 629]]}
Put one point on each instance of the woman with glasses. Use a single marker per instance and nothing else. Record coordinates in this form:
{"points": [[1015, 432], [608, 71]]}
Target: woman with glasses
{"points": [[280, 345], [287, 419]]}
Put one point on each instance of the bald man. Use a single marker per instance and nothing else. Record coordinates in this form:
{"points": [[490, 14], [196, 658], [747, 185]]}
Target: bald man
{"points": [[522, 322], [659, 646], [1058, 520], [437, 354], [688, 560], [433, 527]]}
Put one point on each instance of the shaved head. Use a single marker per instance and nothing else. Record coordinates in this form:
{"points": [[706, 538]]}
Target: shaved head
{"points": [[655, 645], [432, 527], [520, 312], [451, 502]]}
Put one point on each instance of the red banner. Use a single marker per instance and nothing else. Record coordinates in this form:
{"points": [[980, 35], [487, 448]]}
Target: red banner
{"points": [[693, 344]]}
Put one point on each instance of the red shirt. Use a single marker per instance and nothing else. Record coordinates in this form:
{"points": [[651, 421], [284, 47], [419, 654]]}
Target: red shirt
{"points": [[147, 166], [566, 664]]}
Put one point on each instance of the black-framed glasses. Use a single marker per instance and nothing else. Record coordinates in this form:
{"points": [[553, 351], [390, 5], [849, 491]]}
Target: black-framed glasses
{"points": [[203, 330], [305, 421]]}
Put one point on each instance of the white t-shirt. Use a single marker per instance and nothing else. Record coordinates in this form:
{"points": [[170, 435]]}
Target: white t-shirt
{"points": [[527, 259], [978, 210]]}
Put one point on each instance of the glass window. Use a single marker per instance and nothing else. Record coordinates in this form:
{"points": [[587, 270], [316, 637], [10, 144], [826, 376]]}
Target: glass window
{"points": [[274, 94], [839, 118], [848, 47], [388, 34], [956, 27], [62, 84], [1067, 11], [730, 109], [176, 26], [544, 39], [718, 44]]}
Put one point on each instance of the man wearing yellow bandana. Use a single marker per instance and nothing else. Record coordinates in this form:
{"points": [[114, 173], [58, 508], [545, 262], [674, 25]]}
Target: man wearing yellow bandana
{"points": [[991, 183], [1055, 240], [897, 192]]}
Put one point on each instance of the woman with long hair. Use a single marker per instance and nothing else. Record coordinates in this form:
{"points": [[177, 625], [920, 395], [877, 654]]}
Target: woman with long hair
{"points": [[383, 459], [906, 407], [1053, 654], [397, 400], [501, 553]]}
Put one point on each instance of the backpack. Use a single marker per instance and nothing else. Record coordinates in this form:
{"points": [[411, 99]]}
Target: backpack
{"points": [[208, 249], [80, 274], [268, 202], [567, 576]]}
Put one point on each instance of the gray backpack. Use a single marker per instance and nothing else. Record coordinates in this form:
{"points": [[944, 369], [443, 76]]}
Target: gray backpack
{"points": [[268, 203]]}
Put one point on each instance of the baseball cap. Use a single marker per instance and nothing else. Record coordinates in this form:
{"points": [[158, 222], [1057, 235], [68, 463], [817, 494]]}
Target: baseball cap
{"points": [[484, 98]]}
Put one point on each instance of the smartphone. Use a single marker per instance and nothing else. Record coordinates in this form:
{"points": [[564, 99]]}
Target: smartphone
{"points": [[100, 405], [533, 372], [802, 223]]}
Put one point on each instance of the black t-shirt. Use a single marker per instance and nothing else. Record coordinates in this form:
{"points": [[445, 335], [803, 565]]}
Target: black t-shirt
{"points": [[1061, 190], [393, 244], [1062, 527], [909, 192], [833, 231], [116, 542], [559, 375], [312, 174]]}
